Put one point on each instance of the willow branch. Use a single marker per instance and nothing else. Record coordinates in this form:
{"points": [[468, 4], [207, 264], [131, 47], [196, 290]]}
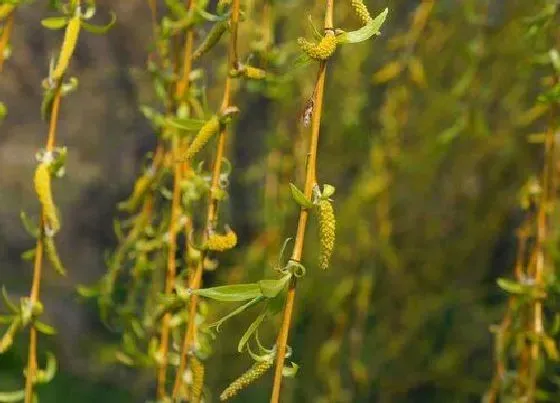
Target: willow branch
{"points": [[310, 181]]}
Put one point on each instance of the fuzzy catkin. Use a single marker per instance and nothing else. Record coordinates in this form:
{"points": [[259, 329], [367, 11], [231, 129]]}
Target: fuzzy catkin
{"points": [[42, 183], [321, 51], [197, 368], [327, 228], [222, 242], [68, 46], [211, 39], [210, 128], [361, 11], [248, 377]]}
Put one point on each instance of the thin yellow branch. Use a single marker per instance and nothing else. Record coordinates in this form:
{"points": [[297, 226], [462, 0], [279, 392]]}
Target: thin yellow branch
{"points": [[310, 181]]}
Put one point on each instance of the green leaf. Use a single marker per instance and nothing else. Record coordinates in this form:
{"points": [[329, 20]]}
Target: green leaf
{"points": [[511, 286], [100, 29], [46, 375], [28, 255], [55, 22], [291, 371], [231, 293], [87, 292], [250, 330], [3, 111], [29, 226], [185, 124], [271, 288], [9, 397], [237, 311], [299, 197], [44, 328], [9, 304], [328, 191], [365, 32]]}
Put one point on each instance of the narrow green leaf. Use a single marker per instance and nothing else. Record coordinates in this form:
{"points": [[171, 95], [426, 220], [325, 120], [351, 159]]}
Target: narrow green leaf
{"points": [[237, 311], [44, 328], [55, 22], [300, 198], [30, 227], [271, 288], [365, 32], [250, 330], [46, 375], [185, 124], [511, 286], [100, 29], [9, 304], [231, 293], [9, 397], [87, 292]]}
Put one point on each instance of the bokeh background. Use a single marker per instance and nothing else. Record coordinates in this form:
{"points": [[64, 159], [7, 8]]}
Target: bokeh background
{"points": [[424, 135]]}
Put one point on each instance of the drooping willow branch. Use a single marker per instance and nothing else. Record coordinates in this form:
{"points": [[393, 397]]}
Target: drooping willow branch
{"points": [[195, 280]]}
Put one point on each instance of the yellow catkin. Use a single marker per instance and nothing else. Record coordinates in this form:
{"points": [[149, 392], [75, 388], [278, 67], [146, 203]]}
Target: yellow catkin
{"points": [[361, 11], [210, 128], [52, 255], [42, 183], [222, 242], [197, 368], [211, 39], [141, 186], [248, 377], [68, 45], [327, 229], [321, 51], [254, 73]]}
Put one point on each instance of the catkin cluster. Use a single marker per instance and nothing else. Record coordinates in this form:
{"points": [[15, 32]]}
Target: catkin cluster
{"points": [[248, 377], [197, 368], [361, 11], [327, 228], [322, 50], [42, 183], [222, 242], [210, 128]]}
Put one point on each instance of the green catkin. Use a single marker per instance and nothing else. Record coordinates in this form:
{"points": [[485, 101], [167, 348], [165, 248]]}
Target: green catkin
{"points": [[361, 11], [248, 377], [222, 242], [321, 51], [197, 368], [42, 183], [327, 229], [52, 255], [210, 128], [211, 39]]}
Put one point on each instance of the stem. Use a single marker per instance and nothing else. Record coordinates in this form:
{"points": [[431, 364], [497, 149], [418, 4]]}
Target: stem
{"points": [[310, 181], [180, 90], [196, 277], [38, 262], [5, 37]]}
